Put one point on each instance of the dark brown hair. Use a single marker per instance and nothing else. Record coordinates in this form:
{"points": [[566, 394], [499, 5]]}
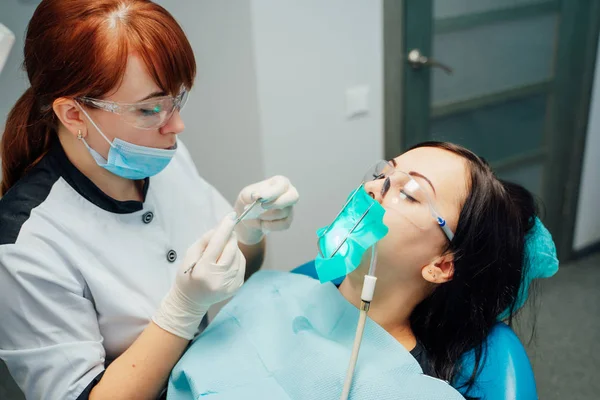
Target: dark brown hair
{"points": [[488, 249]]}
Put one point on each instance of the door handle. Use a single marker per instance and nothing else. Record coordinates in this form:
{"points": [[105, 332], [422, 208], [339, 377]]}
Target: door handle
{"points": [[417, 60]]}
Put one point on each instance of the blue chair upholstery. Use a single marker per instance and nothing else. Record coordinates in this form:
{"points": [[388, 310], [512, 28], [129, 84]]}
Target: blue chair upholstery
{"points": [[506, 372]]}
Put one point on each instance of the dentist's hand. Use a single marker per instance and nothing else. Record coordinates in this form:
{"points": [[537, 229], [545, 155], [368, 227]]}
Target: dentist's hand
{"points": [[275, 213], [218, 273]]}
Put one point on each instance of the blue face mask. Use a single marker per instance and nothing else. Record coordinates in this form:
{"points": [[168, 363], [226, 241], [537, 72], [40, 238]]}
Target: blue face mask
{"points": [[129, 160], [356, 228]]}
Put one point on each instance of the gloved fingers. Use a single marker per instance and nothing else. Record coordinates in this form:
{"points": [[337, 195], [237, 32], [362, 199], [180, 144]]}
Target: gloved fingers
{"points": [[249, 223], [219, 239], [275, 214], [233, 277], [227, 257], [250, 193], [287, 199], [278, 225], [254, 213], [272, 188], [196, 250], [238, 263], [267, 190]]}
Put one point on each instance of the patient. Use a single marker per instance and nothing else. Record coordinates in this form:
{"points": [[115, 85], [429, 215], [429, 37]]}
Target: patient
{"points": [[442, 284]]}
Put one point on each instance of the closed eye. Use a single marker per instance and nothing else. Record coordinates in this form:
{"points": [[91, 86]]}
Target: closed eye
{"points": [[408, 197]]}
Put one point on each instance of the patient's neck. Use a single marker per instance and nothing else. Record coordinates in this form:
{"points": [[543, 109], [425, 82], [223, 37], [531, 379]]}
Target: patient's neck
{"points": [[391, 307]]}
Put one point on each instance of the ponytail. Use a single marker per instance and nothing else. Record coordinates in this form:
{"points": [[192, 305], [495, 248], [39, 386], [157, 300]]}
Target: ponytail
{"points": [[25, 141]]}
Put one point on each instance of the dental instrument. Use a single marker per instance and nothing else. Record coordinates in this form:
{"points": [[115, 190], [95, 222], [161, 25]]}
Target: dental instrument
{"points": [[237, 221]]}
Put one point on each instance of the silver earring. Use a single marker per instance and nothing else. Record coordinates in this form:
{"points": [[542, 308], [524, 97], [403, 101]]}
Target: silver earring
{"points": [[79, 135]]}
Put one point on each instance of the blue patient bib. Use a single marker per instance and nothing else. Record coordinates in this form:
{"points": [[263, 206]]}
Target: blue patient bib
{"points": [[287, 336]]}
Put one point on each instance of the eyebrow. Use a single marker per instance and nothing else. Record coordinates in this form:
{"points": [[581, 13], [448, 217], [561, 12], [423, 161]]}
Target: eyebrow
{"points": [[152, 95]]}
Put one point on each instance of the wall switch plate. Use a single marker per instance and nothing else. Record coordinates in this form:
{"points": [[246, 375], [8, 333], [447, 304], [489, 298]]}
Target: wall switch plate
{"points": [[357, 101]]}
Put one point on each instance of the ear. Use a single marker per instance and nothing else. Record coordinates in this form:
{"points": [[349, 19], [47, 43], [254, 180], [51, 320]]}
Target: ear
{"points": [[70, 115], [440, 270]]}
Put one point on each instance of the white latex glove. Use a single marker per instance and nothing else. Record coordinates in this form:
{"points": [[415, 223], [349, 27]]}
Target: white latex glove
{"points": [[217, 275], [275, 213]]}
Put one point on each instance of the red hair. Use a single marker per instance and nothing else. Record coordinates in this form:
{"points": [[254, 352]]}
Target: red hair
{"points": [[80, 48]]}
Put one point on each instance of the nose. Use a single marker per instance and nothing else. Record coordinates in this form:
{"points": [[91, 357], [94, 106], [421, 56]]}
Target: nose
{"points": [[374, 189], [174, 125]]}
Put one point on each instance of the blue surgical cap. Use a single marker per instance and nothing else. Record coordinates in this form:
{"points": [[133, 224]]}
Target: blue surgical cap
{"points": [[540, 261]]}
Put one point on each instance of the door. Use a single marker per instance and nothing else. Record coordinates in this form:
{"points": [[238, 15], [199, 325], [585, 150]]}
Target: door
{"points": [[502, 78]]}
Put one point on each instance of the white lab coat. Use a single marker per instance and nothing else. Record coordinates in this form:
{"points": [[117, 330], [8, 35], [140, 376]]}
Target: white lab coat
{"points": [[81, 274]]}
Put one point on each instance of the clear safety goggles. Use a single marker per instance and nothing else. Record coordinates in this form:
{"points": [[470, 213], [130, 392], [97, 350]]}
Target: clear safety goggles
{"points": [[149, 114], [402, 193]]}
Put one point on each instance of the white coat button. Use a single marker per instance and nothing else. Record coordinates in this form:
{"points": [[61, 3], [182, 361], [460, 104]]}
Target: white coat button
{"points": [[148, 217], [171, 256]]}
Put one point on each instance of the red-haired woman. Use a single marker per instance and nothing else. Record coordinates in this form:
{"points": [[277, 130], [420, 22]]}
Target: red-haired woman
{"points": [[103, 212]]}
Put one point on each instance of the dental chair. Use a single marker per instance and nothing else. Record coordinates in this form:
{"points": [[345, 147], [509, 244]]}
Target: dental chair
{"points": [[506, 372]]}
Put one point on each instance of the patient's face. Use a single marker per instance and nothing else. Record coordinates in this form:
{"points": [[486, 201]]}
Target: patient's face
{"points": [[406, 248]]}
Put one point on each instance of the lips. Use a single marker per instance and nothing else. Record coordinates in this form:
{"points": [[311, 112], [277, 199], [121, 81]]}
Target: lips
{"points": [[172, 144], [172, 147]]}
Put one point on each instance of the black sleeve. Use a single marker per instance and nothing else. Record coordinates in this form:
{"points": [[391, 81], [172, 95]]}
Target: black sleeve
{"points": [[85, 395], [420, 354]]}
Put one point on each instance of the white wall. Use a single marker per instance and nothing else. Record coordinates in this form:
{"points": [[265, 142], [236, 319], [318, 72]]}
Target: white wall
{"points": [[13, 80], [221, 116], [587, 231], [307, 54]]}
